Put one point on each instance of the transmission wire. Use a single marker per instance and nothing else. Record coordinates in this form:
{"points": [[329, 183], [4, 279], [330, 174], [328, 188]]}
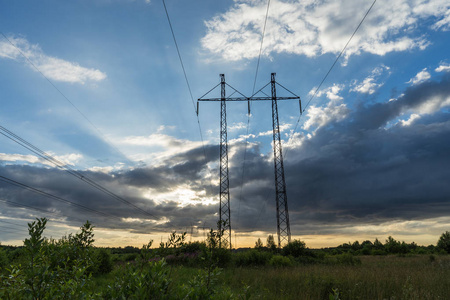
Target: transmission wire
{"points": [[189, 88], [65, 97], [329, 71], [57, 198], [248, 116], [17, 139], [315, 93]]}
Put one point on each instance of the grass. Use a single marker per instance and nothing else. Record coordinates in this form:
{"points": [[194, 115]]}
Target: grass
{"points": [[386, 277], [377, 277]]}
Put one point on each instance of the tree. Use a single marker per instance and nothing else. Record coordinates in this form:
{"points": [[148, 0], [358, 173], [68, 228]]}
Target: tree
{"points": [[258, 244], [444, 242], [271, 242], [296, 248]]}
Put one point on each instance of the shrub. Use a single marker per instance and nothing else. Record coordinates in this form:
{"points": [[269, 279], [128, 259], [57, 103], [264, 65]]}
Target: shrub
{"points": [[3, 259], [252, 258], [133, 282], [444, 242], [103, 263], [221, 256], [347, 259], [296, 248], [280, 261]]}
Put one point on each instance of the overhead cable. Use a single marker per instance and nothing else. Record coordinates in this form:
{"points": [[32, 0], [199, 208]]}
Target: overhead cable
{"points": [[17, 139], [65, 97]]}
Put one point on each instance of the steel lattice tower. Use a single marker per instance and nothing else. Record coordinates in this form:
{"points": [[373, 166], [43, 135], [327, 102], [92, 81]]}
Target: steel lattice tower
{"points": [[283, 227], [224, 194]]}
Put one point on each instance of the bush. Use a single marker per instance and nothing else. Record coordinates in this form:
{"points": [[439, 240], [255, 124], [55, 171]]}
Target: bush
{"points": [[296, 248], [444, 242], [280, 261], [221, 256], [102, 263], [347, 259], [3, 259], [378, 252], [252, 258]]}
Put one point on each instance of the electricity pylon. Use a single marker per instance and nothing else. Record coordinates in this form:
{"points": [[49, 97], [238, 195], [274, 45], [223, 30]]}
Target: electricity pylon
{"points": [[283, 226]]}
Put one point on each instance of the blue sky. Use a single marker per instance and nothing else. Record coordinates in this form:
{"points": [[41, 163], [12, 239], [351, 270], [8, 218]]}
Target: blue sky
{"points": [[366, 160]]}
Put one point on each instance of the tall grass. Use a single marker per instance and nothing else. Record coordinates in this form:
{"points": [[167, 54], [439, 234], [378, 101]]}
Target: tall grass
{"points": [[387, 277]]}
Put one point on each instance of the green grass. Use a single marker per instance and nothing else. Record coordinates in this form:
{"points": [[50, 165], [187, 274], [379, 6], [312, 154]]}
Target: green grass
{"points": [[386, 277]]}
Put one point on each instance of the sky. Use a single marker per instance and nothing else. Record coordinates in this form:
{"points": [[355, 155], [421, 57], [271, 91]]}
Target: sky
{"points": [[98, 85]]}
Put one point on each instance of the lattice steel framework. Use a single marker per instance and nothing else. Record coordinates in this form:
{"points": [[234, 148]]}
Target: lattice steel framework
{"points": [[283, 227], [224, 194]]}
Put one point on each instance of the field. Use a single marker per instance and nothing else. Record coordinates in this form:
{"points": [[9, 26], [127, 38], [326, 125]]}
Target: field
{"points": [[72, 268], [377, 277]]}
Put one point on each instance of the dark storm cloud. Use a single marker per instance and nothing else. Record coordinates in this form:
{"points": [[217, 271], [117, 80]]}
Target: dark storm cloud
{"points": [[184, 168], [180, 168], [363, 170]]}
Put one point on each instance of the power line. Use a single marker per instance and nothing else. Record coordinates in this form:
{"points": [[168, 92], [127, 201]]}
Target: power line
{"points": [[260, 48], [17, 225], [248, 116], [65, 97], [38, 209], [329, 71], [188, 85], [40, 192], [17, 139], [315, 93]]}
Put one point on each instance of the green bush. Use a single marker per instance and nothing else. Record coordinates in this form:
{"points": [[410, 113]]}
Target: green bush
{"points": [[280, 261], [3, 259], [347, 259], [102, 261], [296, 248], [444, 242], [252, 258]]}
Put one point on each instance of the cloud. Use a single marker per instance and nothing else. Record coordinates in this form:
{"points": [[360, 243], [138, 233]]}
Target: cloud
{"points": [[369, 84], [420, 77], [443, 68], [321, 116], [67, 159], [311, 29], [353, 173], [411, 119], [162, 146], [52, 67]]}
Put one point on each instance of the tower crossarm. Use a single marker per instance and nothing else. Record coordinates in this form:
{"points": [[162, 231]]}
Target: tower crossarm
{"points": [[249, 99]]}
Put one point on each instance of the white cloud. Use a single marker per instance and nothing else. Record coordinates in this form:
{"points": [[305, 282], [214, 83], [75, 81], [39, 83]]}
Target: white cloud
{"points": [[162, 147], [369, 84], [411, 119], [237, 126], [68, 159], [420, 77], [443, 68], [321, 116], [313, 28], [331, 92], [52, 67]]}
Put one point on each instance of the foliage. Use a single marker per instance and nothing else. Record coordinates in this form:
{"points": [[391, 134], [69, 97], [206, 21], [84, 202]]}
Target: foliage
{"points": [[259, 244], [270, 243], [3, 259], [134, 282], [54, 269], [444, 242], [102, 261], [252, 258], [280, 261], [296, 248], [347, 259]]}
